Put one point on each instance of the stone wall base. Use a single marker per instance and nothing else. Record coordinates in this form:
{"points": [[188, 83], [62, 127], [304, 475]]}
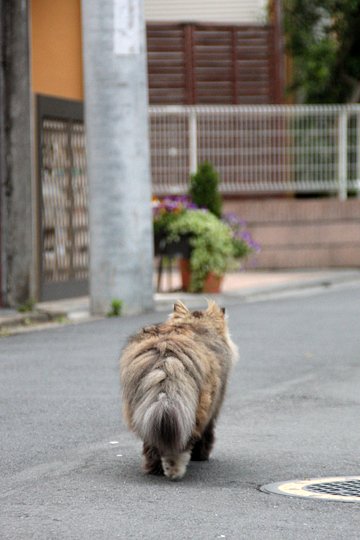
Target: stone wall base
{"points": [[296, 233]]}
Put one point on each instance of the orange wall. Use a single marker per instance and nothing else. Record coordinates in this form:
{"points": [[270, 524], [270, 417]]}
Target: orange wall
{"points": [[56, 48]]}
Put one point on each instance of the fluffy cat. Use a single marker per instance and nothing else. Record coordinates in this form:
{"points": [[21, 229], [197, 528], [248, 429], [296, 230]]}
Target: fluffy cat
{"points": [[174, 377]]}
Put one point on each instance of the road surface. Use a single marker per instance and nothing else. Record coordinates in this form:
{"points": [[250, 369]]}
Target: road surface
{"points": [[70, 470]]}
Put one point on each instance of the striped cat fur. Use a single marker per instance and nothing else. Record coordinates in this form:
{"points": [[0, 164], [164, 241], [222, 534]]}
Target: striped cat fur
{"points": [[174, 378]]}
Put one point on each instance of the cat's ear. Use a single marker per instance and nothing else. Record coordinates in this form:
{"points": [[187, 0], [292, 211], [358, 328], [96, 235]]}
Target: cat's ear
{"points": [[214, 309], [180, 308]]}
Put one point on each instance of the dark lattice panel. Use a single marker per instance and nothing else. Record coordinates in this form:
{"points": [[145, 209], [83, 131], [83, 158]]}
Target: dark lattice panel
{"points": [[80, 195], [64, 201]]}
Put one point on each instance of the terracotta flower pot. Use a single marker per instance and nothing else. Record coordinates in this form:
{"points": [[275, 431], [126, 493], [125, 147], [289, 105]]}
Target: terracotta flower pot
{"points": [[212, 282]]}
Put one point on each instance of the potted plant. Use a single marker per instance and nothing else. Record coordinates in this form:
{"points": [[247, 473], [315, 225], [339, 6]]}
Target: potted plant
{"points": [[204, 189], [214, 250], [192, 227], [166, 211]]}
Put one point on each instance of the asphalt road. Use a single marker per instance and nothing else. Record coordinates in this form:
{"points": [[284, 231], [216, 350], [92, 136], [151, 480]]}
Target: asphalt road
{"points": [[69, 468]]}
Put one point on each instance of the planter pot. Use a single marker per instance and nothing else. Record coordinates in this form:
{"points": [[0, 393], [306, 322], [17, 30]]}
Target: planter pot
{"points": [[164, 249], [212, 282]]}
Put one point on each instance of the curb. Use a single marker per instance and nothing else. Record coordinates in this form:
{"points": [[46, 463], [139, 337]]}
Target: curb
{"points": [[75, 312], [28, 319], [164, 301]]}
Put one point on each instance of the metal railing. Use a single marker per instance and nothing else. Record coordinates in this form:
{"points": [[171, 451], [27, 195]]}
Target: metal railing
{"points": [[268, 149]]}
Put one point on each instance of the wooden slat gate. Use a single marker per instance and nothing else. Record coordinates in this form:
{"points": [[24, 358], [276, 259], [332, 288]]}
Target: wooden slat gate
{"points": [[63, 220], [202, 64]]}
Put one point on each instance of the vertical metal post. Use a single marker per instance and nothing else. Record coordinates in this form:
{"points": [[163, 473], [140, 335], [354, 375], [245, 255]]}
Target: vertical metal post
{"points": [[357, 170], [342, 154], [193, 157]]}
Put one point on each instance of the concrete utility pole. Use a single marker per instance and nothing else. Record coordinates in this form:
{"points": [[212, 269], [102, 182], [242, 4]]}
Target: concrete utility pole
{"points": [[116, 114], [15, 153]]}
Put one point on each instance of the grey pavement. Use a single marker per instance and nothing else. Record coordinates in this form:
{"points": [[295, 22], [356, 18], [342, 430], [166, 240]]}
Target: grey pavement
{"points": [[70, 469], [238, 287]]}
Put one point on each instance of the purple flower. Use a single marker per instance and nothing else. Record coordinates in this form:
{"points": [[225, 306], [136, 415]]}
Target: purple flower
{"points": [[172, 204], [233, 220], [238, 227]]}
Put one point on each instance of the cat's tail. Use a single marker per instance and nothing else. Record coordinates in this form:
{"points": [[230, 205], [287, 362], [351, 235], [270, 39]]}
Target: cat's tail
{"points": [[165, 414]]}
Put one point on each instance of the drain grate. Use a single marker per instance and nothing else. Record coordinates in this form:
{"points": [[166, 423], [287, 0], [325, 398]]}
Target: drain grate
{"points": [[342, 489], [349, 488]]}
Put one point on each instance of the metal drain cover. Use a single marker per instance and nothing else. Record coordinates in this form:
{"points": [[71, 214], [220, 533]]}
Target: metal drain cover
{"points": [[338, 488]]}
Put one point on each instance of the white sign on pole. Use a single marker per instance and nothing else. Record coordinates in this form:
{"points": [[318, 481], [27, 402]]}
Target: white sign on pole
{"points": [[126, 27]]}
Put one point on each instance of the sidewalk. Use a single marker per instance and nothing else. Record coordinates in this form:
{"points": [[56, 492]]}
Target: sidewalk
{"points": [[245, 286]]}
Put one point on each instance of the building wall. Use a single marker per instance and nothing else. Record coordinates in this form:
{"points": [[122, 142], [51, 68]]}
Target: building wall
{"points": [[56, 50], [315, 233], [214, 11], [186, 64]]}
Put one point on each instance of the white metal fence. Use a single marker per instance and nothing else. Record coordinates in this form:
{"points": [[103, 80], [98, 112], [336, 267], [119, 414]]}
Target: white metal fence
{"points": [[275, 148]]}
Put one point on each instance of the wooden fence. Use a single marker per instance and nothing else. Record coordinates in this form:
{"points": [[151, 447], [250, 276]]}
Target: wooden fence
{"points": [[214, 64]]}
